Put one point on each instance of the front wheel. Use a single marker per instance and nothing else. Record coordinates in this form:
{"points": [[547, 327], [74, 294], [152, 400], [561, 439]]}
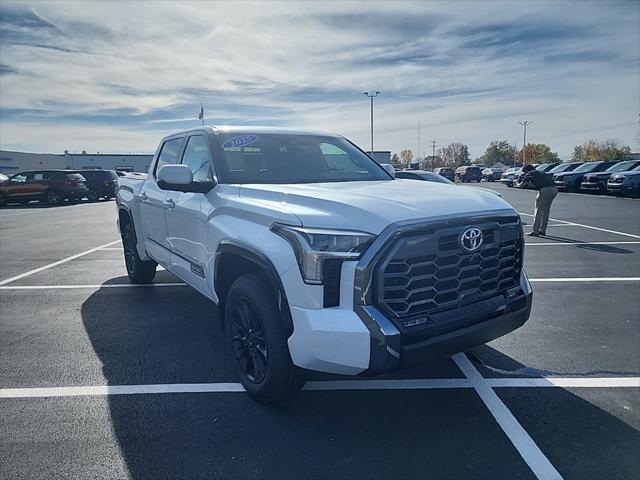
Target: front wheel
{"points": [[139, 271], [255, 335], [93, 196]]}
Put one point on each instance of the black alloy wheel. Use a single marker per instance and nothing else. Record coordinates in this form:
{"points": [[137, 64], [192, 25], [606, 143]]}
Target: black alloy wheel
{"points": [[249, 343]]}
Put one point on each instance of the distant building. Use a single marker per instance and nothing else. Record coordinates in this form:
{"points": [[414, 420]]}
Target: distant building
{"points": [[14, 162], [381, 156]]}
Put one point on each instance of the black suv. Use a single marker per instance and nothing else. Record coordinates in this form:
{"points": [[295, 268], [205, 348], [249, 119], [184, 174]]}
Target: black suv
{"points": [[597, 182], [101, 183], [570, 180], [50, 186], [446, 172], [470, 173]]}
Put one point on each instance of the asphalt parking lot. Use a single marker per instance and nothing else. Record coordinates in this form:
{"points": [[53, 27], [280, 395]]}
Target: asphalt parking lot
{"points": [[102, 379]]}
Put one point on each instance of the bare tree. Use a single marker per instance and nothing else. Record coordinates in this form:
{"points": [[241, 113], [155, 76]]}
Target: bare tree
{"points": [[406, 156]]}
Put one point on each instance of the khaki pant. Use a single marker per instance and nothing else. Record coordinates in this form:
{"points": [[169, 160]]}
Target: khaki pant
{"points": [[543, 207]]}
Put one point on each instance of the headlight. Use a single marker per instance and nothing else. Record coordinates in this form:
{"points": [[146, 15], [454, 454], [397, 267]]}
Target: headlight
{"points": [[313, 246]]}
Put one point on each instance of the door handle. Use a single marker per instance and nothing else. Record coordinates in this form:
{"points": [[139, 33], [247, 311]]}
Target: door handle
{"points": [[169, 203], [143, 197]]}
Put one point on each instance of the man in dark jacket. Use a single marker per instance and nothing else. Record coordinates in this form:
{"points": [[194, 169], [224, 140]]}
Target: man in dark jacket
{"points": [[547, 191]]}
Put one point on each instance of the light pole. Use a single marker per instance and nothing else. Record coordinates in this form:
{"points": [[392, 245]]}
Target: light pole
{"points": [[515, 152], [433, 155], [371, 96], [524, 141]]}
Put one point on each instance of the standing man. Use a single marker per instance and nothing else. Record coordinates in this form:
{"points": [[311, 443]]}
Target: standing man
{"points": [[547, 191]]}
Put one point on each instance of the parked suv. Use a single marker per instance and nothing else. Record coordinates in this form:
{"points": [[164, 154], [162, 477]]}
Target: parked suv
{"points": [[492, 174], [101, 183], [597, 182], [317, 258], [507, 177], [50, 186], [625, 183], [570, 180], [446, 172], [468, 173]]}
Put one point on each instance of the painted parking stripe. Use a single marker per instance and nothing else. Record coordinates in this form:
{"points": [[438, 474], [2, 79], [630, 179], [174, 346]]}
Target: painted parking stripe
{"points": [[580, 243], [565, 382], [521, 440], [587, 226], [94, 287], [586, 279], [54, 264], [336, 385]]}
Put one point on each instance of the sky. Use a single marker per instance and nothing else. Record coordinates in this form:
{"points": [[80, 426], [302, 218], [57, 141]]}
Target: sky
{"points": [[118, 76]]}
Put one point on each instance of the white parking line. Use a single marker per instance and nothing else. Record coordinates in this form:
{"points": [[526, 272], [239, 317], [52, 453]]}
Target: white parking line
{"points": [[527, 448], [588, 226], [580, 243], [565, 382], [331, 385], [587, 279], [59, 262], [95, 286], [118, 249]]}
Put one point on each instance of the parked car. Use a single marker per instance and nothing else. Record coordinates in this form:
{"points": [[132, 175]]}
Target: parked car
{"points": [[50, 186], [541, 167], [547, 167], [468, 173], [570, 180], [433, 177], [492, 174], [317, 258], [446, 172], [597, 182], [101, 184], [509, 174], [565, 167], [625, 183]]}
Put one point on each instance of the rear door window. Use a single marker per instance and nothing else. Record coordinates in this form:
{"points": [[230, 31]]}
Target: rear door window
{"points": [[169, 153]]}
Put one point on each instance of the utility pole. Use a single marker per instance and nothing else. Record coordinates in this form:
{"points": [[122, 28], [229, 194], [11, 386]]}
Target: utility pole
{"points": [[371, 96], [418, 150], [524, 141], [515, 152], [433, 155]]}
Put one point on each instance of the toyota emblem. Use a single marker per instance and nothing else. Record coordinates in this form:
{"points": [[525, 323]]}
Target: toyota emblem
{"points": [[471, 239]]}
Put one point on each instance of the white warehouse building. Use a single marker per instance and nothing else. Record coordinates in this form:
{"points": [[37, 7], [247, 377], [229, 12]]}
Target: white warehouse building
{"points": [[14, 162]]}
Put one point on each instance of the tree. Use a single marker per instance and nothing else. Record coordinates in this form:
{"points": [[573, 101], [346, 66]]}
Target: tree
{"points": [[499, 151], [395, 161], [593, 150], [454, 155], [406, 156], [538, 153]]}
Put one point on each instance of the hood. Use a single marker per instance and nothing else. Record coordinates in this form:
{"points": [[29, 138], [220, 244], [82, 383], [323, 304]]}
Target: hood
{"points": [[568, 174], [598, 174], [631, 173], [372, 206]]}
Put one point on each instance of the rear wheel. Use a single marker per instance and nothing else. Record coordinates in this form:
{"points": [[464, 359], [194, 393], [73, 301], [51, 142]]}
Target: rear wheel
{"points": [[139, 271], [53, 198], [255, 335]]}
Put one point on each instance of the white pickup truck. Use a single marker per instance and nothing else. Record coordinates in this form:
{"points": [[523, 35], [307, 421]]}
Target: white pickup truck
{"points": [[318, 258]]}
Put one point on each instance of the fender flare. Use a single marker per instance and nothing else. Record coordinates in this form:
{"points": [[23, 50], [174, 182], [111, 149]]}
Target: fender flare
{"points": [[266, 267]]}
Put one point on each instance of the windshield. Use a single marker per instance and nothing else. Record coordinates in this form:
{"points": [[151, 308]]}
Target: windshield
{"points": [[587, 167], [621, 167], [562, 167], [289, 158]]}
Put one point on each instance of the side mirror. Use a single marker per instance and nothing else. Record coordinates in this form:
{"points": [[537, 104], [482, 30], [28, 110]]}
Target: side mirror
{"points": [[179, 178], [391, 170]]}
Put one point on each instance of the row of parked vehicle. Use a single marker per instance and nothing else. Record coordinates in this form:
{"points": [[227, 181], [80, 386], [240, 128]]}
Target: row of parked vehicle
{"points": [[613, 177], [56, 186]]}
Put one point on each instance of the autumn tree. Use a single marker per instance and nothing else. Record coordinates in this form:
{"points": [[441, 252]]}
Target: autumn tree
{"points": [[538, 153], [395, 160], [593, 150], [453, 155], [406, 156], [499, 151]]}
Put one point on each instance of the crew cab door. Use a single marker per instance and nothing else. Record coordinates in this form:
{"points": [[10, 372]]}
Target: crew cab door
{"points": [[187, 217], [152, 201]]}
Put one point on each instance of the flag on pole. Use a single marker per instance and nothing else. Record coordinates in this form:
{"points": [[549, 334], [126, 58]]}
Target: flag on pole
{"points": [[201, 114]]}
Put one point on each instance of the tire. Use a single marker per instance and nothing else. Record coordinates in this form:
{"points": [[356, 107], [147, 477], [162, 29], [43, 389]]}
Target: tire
{"points": [[255, 336], [93, 196], [139, 271], [53, 198]]}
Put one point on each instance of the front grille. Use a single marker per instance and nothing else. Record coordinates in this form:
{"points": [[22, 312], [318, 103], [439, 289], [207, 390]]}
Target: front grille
{"points": [[430, 272]]}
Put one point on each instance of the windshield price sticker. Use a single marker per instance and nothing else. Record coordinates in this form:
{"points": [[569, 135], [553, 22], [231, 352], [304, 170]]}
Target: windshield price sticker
{"points": [[240, 141]]}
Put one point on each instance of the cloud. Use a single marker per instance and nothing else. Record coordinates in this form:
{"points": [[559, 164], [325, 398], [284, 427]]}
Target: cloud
{"points": [[119, 78]]}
